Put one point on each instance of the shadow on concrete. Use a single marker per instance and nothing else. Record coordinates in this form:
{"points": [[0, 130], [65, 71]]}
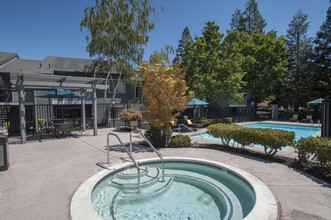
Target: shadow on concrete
{"points": [[137, 147]]}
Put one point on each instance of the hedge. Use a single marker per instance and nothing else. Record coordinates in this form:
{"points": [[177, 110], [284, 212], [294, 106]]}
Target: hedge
{"points": [[315, 147], [180, 141], [271, 139]]}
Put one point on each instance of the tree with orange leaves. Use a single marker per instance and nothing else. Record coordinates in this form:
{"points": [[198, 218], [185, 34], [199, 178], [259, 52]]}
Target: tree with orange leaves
{"points": [[165, 94]]}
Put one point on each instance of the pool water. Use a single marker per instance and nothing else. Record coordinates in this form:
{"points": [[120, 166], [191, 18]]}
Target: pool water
{"points": [[191, 191], [299, 130]]}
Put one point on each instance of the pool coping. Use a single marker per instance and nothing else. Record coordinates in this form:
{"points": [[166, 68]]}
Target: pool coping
{"points": [[266, 205]]}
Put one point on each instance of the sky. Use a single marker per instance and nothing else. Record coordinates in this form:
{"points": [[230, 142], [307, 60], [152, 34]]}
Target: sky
{"points": [[35, 29]]}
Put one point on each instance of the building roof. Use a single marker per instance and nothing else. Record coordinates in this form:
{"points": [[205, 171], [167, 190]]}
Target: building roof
{"points": [[6, 57], [46, 66], [67, 64], [27, 66]]}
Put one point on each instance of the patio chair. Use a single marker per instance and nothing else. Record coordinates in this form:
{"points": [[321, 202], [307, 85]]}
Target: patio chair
{"points": [[308, 119], [189, 123], [64, 128], [294, 117]]}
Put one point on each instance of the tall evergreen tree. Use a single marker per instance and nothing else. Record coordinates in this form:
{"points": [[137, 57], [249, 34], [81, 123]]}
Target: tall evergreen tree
{"points": [[249, 20], [253, 18], [186, 36], [263, 60], [322, 57], [211, 71], [237, 21], [299, 46]]}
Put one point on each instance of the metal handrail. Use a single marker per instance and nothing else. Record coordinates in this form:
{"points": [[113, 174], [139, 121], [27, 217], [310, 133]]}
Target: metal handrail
{"points": [[156, 151], [133, 160], [182, 125]]}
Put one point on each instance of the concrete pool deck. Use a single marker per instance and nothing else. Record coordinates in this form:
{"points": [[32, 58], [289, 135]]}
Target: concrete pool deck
{"points": [[43, 176]]}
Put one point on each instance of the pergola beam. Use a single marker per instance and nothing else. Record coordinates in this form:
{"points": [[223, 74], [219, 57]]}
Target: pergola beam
{"points": [[40, 84]]}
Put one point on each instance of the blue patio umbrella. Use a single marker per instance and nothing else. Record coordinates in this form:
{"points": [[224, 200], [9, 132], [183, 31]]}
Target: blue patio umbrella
{"points": [[316, 101], [60, 93], [196, 102]]}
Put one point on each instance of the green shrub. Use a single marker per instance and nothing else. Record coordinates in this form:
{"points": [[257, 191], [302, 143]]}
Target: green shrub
{"points": [[228, 120], [273, 139], [244, 136], [180, 141], [209, 121], [311, 147], [223, 131], [157, 136], [41, 122], [6, 124]]}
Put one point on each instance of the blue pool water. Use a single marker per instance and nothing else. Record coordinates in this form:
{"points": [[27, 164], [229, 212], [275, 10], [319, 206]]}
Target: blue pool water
{"points": [[300, 131], [191, 190]]}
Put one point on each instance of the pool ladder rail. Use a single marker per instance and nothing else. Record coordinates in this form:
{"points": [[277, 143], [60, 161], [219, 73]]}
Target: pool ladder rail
{"points": [[131, 157], [182, 125]]}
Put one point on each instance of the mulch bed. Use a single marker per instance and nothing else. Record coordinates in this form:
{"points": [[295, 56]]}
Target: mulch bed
{"points": [[311, 169]]}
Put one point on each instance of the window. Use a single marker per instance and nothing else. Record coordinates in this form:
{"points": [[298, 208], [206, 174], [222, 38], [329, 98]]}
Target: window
{"points": [[120, 88]]}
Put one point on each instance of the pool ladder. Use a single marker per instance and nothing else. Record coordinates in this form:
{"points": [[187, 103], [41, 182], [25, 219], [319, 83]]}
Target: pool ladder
{"points": [[182, 125], [131, 157]]}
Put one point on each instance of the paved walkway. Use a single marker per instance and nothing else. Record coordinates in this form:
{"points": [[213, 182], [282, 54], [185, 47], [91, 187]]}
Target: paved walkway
{"points": [[43, 176]]}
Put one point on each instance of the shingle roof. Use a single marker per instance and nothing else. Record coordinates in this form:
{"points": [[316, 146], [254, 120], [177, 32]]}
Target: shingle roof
{"points": [[26, 66], [46, 66], [5, 57], [67, 64]]}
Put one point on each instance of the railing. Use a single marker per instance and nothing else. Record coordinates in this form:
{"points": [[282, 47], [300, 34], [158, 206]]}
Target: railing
{"points": [[123, 146], [182, 125], [157, 152]]}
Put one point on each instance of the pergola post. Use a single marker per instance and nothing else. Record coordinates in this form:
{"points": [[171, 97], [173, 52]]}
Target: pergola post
{"points": [[21, 107], [83, 122], [95, 113]]}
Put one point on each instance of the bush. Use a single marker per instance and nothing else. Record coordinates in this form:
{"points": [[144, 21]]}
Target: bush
{"points": [[157, 136], [129, 115], [180, 141], [271, 139], [315, 147], [228, 120], [223, 131], [244, 136], [209, 121]]}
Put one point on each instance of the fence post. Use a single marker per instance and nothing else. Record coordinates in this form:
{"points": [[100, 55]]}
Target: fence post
{"points": [[326, 118]]}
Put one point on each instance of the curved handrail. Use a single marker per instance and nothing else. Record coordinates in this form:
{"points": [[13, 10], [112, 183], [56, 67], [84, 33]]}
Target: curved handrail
{"points": [[133, 160], [182, 125], [156, 151]]}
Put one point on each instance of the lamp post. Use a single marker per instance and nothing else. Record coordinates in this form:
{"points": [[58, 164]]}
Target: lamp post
{"points": [[113, 111]]}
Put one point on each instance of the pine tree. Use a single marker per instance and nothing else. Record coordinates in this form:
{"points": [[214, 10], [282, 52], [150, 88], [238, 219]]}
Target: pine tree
{"points": [[249, 20], [253, 18], [237, 21], [299, 47], [322, 57], [186, 36]]}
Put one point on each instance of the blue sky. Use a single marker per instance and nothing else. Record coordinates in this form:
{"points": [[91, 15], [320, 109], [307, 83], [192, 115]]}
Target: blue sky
{"points": [[38, 28]]}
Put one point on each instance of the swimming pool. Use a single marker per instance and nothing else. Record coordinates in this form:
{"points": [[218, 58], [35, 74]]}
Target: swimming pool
{"points": [[193, 189], [299, 130]]}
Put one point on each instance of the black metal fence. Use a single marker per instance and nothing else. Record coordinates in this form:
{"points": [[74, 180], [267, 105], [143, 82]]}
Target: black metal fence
{"points": [[39, 118]]}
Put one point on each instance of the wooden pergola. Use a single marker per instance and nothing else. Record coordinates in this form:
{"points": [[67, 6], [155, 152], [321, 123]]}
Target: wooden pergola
{"points": [[21, 82]]}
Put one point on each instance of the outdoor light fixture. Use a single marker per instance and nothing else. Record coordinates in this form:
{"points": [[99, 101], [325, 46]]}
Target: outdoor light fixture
{"points": [[4, 152]]}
